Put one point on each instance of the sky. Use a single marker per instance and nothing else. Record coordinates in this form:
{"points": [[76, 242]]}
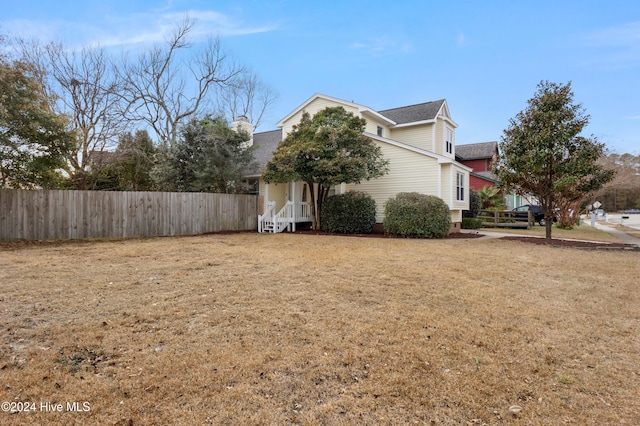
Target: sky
{"points": [[485, 58]]}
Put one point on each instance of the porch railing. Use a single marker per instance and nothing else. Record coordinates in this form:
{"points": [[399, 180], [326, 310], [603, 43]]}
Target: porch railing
{"points": [[286, 219], [265, 220]]}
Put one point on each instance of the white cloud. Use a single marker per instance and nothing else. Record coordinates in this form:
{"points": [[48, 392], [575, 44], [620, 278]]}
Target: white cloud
{"points": [[625, 35], [633, 117], [383, 46], [614, 47], [141, 28]]}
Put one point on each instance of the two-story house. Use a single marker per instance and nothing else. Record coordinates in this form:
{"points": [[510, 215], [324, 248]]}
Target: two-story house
{"points": [[418, 140]]}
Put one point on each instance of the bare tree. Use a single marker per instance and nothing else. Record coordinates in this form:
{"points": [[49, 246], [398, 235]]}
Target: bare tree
{"points": [[248, 97], [166, 85], [82, 86]]}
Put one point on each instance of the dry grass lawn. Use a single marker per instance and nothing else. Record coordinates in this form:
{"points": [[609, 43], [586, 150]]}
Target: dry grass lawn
{"points": [[583, 232], [299, 329]]}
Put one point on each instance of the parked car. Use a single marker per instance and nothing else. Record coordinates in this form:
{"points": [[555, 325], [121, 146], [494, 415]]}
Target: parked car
{"points": [[538, 214]]}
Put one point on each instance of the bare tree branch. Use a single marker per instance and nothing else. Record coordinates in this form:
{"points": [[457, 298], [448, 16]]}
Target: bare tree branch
{"points": [[82, 86], [248, 96], [167, 85]]}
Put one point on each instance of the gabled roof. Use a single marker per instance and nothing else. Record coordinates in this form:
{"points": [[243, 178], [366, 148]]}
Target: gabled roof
{"points": [[406, 115], [362, 108], [413, 113], [477, 151]]}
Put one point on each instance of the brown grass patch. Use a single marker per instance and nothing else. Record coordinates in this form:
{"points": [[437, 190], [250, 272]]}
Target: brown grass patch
{"points": [[583, 232], [298, 329]]}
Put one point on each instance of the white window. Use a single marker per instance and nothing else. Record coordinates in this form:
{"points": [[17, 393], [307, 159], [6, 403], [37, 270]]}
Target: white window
{"points": [[449, 141], [459, 186], [380, 131]]}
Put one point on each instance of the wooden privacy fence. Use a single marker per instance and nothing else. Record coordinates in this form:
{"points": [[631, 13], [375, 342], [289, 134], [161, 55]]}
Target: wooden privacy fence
{"points": [[55, 215]]}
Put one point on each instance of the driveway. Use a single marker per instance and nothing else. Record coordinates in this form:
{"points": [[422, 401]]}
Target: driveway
{"points": [[633, 221]]}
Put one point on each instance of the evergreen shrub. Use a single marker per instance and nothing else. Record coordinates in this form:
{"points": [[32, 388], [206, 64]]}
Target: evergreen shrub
{"points": [[410, 214], [350, 213]]}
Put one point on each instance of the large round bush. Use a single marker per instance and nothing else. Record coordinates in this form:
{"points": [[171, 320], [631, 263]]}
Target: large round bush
{"points": [[410, 214], [349, 213]]}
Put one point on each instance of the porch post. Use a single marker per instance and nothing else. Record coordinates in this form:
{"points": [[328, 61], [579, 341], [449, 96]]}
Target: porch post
{"points": [[266, 196]]}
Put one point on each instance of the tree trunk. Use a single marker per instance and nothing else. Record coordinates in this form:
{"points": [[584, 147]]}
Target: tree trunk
{"points": [[548, 225], [314, 205]]}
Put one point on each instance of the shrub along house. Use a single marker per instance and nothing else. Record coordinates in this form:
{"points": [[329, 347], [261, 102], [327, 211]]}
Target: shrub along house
{"points": [[418, 140]]}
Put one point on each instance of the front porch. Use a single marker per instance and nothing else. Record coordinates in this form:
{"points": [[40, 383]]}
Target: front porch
{"points": [[286, 219], [285, 206]]}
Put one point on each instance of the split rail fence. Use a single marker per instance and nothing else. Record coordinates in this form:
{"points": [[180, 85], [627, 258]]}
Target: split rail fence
{"points": [[506, 219], [58, 215]]}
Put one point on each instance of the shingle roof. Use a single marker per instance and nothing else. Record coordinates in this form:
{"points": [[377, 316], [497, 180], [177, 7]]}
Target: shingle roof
{"points": [[486, 175], [413, 113], [265, 143], [475, 151]]}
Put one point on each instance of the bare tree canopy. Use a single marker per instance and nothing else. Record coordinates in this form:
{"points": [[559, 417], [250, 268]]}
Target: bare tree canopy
{"points": [[83, 87], [159, 89], [248, 97], [167, 85]]}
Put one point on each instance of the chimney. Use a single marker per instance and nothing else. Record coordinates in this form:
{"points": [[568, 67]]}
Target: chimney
{"points": [[242, 123]]}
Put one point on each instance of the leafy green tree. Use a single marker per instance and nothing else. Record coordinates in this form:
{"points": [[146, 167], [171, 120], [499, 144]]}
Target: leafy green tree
{"points": [[543, 154], [324, 151], [208, 157], [33, 139], [475, 204], [128, 168]]}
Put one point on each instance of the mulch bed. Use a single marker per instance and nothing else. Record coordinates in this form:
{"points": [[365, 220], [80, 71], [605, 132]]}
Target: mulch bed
{"points": [[555, 242], [375, 234], [571, 243]]}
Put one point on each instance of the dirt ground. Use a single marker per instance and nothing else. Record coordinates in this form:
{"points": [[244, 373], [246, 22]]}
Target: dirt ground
{"points": [[309, 329]]}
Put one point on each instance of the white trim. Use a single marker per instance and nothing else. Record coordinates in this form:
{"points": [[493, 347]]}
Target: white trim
{"points": [[439, 180], [441, 158], [445, 115], [433, 138], [451, 187], [362, 109], [414, 123], [445, 138], [450, 121], [366, 110]]}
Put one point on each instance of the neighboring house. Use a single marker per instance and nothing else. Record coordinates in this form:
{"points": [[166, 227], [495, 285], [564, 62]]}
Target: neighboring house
{"points": [[418, 140], [480, 157]]}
